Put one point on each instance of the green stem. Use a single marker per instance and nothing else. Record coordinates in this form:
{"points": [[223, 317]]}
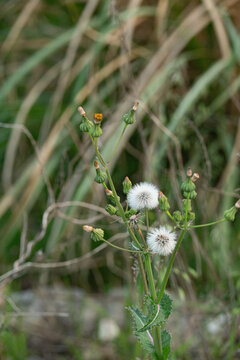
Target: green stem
{"points": [[147, 219], [119, 140], [209, 224], [172, 258], [156, 331], [122, 249], [169, 268], [170, 216]]}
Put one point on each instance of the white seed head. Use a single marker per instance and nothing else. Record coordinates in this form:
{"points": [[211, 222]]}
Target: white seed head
{"points": [[161, 241], [143, 196]]}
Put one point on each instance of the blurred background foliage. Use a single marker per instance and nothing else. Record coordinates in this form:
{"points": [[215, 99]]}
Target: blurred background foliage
{"points": [[180, 60]]}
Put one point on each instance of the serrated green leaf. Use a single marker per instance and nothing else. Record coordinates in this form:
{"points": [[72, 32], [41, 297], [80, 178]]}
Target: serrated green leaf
{"points": [[145, 338], [166, 305], [166, 338], [156, 320]]}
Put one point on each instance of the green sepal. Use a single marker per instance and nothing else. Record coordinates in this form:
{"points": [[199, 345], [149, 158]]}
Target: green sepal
{"points": [[163, 203], [188, 186], [111, 199], [177, 216], [97, 235], [96, 130], [100, 177], [230, 214], [186, 205], [111, 209], [191, 216], [144, 338], [190, 195], [129, 118], [85, 125], [129, 213], [127, 185]]}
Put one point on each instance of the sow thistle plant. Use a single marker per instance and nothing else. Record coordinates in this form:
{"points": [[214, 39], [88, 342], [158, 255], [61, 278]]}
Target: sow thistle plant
{"points": [[144, 241]]}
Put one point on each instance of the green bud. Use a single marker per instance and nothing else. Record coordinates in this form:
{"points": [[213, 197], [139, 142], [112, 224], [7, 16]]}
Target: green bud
{"points": [[177, 216], [163, 202], [100, 177], [191, 216], [85, 125], [188, 186], [129, 213], [186, 205], [97, 235], [230, 213], [129, 118], [96, 130], [127, 185], [191, 195], [111, 209], [110, 197]]}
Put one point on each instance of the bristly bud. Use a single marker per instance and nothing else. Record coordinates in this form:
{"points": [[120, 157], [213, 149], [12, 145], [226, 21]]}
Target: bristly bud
{"points": [[237, 204], [98, 118], [177, 216], [97, 235], [111, 209], [230, 213], [100, 177], [88, 228], [163, 202], [127, 185], [189, 172], [110, 197], [195, 177], [188, 186], [129, 118]]}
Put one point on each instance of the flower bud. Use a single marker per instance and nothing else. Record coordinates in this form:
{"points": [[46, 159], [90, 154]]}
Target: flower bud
{"points": [[230, 213], [189, 172], [110, 197], [237, 204], [190, 195], [127, 185], [111, 209], [96, 130], [129, 118], [177, 216], [130, 213], [195, 177], [97, 235], [163, 202], [98, 118], [188, 186], [186, 205], [191, 216], [100, 176], [86, 124], [88, 228]]}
